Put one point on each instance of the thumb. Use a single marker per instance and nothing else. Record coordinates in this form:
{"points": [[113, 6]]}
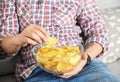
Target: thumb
{"points": [[84, 56]]}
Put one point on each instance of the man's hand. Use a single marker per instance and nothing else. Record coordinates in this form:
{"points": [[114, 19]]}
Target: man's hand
{"points": [[33, 34], [77, 68], [93, 49]]}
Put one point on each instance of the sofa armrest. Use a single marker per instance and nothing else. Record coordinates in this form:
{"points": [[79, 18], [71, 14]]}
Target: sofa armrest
{"points": [[7, 78], [7, 65]]}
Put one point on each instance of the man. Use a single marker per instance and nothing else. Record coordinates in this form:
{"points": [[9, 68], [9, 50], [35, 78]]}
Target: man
{"points": [[74, 22]]}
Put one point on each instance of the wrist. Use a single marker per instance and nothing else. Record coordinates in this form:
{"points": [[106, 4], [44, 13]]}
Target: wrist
{"points": [[10, 44], [93, 49]]}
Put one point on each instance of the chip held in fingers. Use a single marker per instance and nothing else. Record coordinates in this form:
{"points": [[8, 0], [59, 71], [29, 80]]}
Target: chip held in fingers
{"points": [[51, 41]]}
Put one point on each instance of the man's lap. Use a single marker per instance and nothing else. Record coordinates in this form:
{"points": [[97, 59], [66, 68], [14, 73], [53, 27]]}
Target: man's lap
{"points": [[96, 71]]}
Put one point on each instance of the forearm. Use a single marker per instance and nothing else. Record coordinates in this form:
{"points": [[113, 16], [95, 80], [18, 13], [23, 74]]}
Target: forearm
{"points": [[93, 27], [11, 44], [93, 49]]}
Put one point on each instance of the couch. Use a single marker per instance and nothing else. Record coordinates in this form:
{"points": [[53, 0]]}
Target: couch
{"points": [[7, 68]]}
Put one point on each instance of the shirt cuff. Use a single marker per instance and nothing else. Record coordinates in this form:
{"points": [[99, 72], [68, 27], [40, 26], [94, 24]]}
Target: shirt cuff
{"points": [[99, 39]]}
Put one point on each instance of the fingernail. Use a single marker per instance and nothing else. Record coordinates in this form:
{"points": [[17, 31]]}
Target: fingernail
{"points": [[35, 43]]}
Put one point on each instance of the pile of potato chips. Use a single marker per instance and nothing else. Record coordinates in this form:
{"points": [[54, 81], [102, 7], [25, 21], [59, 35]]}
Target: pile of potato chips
{"points": [[57, 59]]}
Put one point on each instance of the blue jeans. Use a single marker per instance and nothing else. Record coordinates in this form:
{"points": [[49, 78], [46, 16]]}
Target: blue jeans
{"points": [[96, 71]]}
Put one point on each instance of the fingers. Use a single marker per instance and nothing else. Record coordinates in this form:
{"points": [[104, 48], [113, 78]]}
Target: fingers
{"points": [[41, 36], [36, 37], [64, 76], [34, 34], [84, 56], [41, 29], [70, 73], [41, 32], [30, 41]]}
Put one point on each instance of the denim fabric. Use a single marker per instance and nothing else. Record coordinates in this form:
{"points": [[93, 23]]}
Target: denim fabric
{"points": [[96, 71]]}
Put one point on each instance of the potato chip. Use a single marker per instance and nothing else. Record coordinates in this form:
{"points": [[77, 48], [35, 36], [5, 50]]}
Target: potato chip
{"points": [[42, 59], [62, 67], [75, 59], [51, 41]]}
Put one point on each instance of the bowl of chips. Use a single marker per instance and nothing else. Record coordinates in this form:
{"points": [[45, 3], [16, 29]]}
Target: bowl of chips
{"points": [[57, 60]]}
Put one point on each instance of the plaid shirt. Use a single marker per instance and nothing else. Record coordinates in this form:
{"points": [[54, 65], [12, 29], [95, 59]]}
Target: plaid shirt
{"points": [[59, 18]]}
